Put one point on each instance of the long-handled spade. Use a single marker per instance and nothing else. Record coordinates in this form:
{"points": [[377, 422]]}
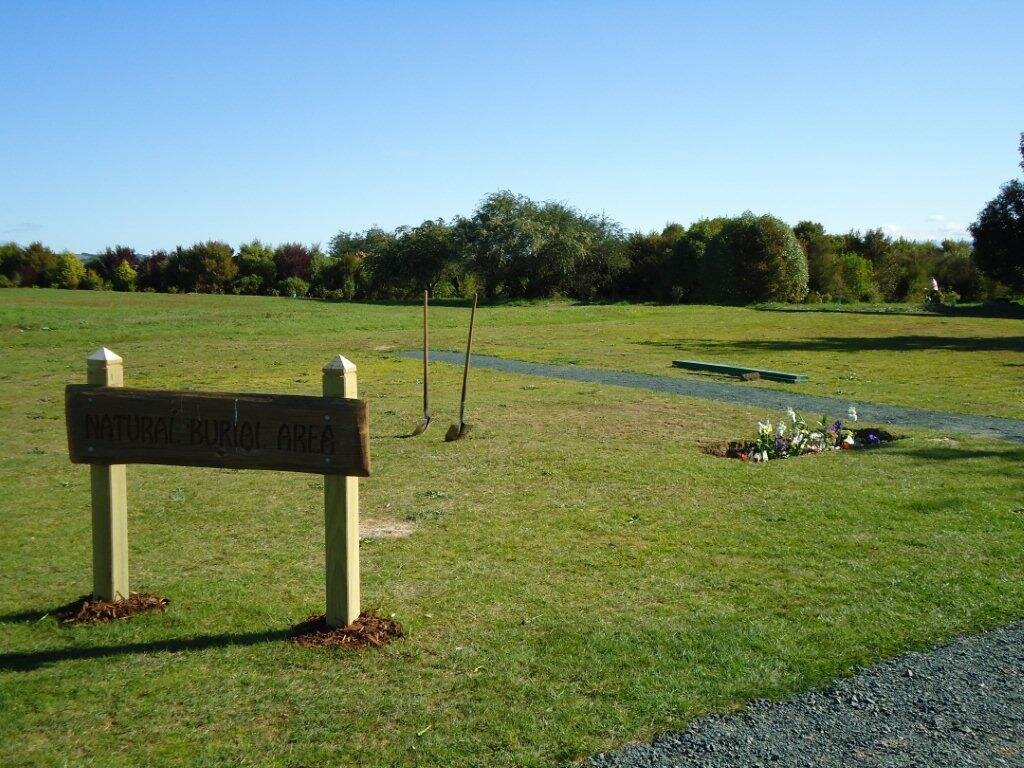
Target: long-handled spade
{"points": [[458, 431], [422, 426]]}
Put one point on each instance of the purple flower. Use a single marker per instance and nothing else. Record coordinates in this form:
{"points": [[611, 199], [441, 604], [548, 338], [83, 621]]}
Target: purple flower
{"points": [[836, 427], [874, 439], [781, 445]]}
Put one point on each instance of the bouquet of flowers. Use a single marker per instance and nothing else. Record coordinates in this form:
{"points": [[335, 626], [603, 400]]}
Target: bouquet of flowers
{"points": [[782, 440]]}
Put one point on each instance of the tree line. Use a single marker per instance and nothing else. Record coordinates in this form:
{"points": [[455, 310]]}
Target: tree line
{"points": [[513, 247]]}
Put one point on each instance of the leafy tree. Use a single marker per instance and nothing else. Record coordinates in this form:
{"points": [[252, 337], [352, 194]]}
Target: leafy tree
{"points": [[415, 259], [107, 263], [294, 260], [999, 234], [124, 277], [502, 232], [822, 263], [152, 272], [854, 279], [92, 281], [70, 271], [202, 268], [12, 257], [256, 267], [37, 266], [955, 270], [755, 258], [693, 273], [601, 263], [293, 286], [522, 249]]}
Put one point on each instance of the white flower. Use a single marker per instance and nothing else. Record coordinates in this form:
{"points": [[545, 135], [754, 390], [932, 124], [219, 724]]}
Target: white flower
{"points": [[852, 413], [780, 430], [764, 455], [792, 414], [848, 439], [764, 427], [935, 284]]}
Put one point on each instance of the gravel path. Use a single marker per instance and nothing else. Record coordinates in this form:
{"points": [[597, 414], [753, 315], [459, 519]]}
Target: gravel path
{"points": [[769, 399], [956, 706]]}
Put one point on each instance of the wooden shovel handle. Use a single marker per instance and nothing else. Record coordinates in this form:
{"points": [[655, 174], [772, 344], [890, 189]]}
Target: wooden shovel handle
{"points": [[426, 373], [465, 370]]}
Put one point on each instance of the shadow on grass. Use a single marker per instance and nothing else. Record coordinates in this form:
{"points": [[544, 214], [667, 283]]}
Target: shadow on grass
{"points": [[28, 661], [997, 309], [859, 344], [1012, 456]]}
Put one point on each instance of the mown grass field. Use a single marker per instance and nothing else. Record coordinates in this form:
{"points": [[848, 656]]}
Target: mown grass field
{"points": [[578, 575]]}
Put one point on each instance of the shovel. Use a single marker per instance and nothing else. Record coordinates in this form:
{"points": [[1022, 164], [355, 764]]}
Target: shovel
{"points": [[458, 431], [422, 426]]}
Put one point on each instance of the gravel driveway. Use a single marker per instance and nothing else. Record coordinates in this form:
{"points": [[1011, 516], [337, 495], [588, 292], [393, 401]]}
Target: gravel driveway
{"points": [[744, 394], [956, 706]]}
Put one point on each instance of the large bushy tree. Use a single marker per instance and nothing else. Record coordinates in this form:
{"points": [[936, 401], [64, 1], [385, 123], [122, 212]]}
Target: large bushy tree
{"points": [[70, 271], [417, 259], [257, 270], [999, 234], [754, 258], [519, 248], [202, 267], [106, 264]]}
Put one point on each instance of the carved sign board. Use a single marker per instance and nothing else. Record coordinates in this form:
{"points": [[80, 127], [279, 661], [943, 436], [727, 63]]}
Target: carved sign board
{"points": [[118, 425]]}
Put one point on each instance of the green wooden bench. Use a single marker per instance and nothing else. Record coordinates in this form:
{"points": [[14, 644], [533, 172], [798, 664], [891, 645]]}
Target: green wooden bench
{"points": [[739, 370]]}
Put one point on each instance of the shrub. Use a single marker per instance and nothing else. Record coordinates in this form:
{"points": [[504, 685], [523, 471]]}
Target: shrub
{"points": [[202, 268], [249, 285], [35, 265], [11, 258], [255, 260], [5, 282], [293, 260], [754, 258], [295, 287], [106, 263], [337, 277], [70, 271], [152, 272], [124, 277], [92, 281], [855, 279]]}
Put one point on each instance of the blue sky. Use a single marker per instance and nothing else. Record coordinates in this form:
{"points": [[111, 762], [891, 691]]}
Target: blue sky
{"points": [[153, 124]]}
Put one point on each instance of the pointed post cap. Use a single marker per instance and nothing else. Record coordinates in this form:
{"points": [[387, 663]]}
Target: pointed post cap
{"points": [[340, 364], [104, 356]]}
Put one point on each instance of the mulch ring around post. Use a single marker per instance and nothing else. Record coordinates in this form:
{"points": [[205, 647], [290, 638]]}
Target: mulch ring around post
{"points": [[92, 610], [368, 630]]}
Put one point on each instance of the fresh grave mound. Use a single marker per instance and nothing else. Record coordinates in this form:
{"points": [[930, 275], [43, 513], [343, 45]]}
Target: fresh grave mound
{"points": [[90, 610], [368, 629], [864, 437], [795, 437]]}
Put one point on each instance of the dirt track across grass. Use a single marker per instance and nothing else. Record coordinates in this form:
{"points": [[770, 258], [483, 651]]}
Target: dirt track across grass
{"points": [[772, 400], [959, 705]]}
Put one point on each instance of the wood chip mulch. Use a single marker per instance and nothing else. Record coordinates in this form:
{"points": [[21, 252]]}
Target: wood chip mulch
{"points": [[368, 630], [90, 610]]}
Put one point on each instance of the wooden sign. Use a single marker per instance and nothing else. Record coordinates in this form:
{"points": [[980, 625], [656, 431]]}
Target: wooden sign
{"points": [[117, 425]]}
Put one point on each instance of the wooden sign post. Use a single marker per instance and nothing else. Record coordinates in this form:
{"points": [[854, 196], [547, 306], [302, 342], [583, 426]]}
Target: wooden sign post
{"points": [[109, 498], [341, 515], [110, 425]]}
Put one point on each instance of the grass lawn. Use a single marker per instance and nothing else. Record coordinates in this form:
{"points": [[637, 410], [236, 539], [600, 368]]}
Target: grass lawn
{"points": [[579, 574]]}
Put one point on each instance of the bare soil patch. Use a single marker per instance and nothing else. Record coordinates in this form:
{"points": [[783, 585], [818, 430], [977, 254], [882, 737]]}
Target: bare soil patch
{"points": [[385, 529]]}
